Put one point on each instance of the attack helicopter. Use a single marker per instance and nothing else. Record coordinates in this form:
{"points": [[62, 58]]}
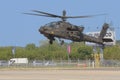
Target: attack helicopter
{"points": [[65, 30]]}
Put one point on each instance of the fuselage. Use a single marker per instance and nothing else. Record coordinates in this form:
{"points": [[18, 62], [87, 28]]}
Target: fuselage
{"points": [[68, 31]]}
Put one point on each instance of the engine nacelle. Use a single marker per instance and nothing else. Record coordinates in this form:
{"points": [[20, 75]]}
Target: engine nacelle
{"points": [[76, 28]]}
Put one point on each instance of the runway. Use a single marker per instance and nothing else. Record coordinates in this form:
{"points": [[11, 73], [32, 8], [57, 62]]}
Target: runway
{"points": [[59, 75]]}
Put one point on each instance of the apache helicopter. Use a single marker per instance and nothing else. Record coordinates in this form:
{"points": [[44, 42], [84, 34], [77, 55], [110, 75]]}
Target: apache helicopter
{"points": [[65, 30]]}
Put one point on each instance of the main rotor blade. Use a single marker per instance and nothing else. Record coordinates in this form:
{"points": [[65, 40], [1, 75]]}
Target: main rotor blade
{"points": [[37, 14], [63, 17], [52, 15], [87, 16]]}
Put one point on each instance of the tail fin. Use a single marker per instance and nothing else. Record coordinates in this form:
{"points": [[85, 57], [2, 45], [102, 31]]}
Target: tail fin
{"points": [[103, 31]]}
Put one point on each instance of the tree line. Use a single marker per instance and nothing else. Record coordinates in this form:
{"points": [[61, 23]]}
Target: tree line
{"points": [[57, 52]]}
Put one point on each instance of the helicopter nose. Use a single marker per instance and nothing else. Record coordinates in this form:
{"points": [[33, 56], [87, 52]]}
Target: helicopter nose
{"points": [[41, 30]]}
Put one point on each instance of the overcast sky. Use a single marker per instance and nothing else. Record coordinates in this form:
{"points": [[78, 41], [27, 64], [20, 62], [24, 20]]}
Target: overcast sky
{"points": [[17, 29]]}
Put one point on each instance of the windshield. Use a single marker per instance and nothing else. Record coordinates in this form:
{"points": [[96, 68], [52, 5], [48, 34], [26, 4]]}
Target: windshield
{"points": [[52, 24]]}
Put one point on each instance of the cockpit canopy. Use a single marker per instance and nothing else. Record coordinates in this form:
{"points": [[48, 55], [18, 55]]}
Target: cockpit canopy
{"points": [[52, 24]]}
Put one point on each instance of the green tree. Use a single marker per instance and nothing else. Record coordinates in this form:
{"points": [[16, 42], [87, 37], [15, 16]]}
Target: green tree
{"points": [[30, 46], [85, 52], [5, 53], [112, 52]]}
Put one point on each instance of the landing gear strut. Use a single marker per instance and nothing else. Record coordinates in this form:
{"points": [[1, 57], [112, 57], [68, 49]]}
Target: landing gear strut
{"points": [[61, 41], [51, 41]]}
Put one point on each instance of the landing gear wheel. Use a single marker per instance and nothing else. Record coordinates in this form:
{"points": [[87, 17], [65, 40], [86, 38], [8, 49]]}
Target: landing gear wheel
{"points": [[51, 42], [62, 42]]}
